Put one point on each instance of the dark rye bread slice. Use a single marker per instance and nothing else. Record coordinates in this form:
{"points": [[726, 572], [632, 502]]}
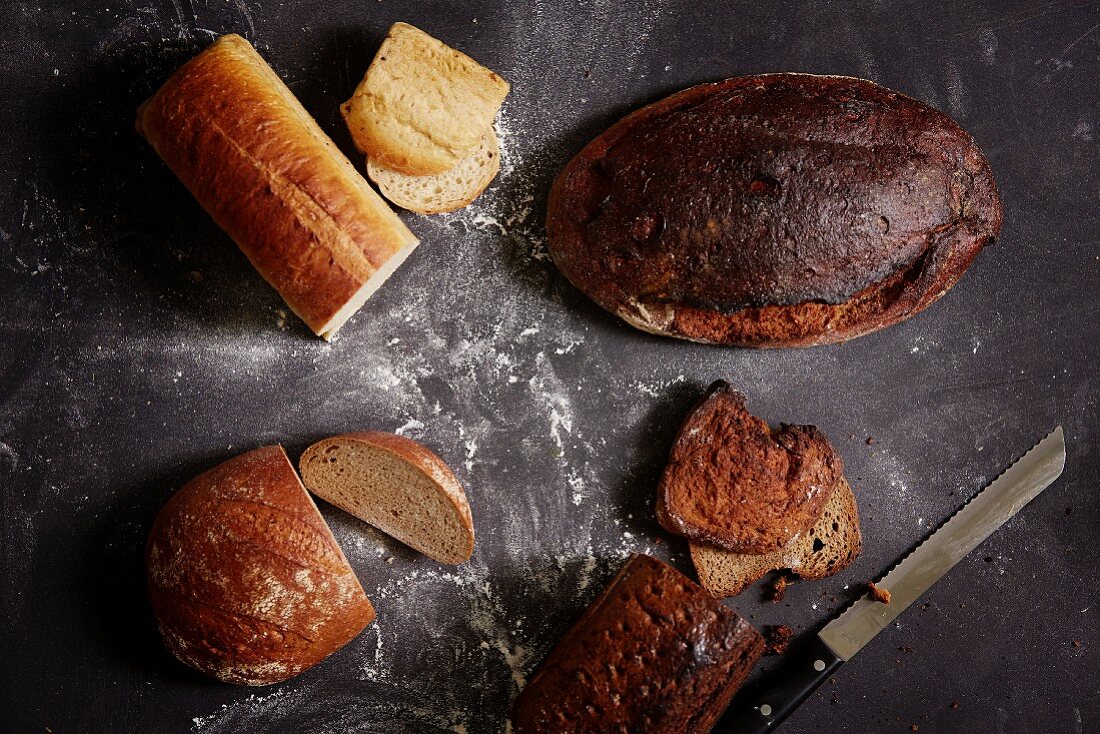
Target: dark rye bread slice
{"points": [[398, 486], [245, 579], [653, 653], [733, 482], [827, 548], [773, 210]]}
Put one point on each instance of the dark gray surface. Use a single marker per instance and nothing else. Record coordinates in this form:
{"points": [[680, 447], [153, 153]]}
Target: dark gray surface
{"points": [[137, 348]]}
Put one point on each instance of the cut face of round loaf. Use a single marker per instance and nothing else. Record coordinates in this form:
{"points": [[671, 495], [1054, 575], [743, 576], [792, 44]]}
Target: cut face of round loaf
{"points": [[396, 485], [245, 579], [773, 210], [734, 482], [827, 548], [443, 192]]}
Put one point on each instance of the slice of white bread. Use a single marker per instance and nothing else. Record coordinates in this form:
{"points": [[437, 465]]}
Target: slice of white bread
{"points": [[441, 192], [396, 485], [827, 548], [422, 106]]}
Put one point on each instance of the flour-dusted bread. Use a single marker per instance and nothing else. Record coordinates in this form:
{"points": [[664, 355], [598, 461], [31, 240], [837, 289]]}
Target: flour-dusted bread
{"points": [[827, 548], [733, 482], [443, 192], [270, 177], [773, 210], [422, 106], [396, 485], [245, 579], [653, 653]]}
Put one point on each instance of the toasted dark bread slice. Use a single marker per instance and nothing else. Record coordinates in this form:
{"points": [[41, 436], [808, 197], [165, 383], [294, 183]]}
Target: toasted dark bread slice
{"points": [[733, 482], [828, 548]]}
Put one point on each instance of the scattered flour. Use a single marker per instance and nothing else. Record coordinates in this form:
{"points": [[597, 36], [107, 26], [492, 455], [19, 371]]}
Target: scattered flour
{"points": [[470, 349]]}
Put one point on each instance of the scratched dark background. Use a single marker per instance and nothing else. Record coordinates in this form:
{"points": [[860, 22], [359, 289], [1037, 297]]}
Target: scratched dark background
{"points": [[137, 348]]}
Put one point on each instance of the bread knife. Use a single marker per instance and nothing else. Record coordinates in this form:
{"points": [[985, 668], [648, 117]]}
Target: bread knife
{"points": [[762, 710]]}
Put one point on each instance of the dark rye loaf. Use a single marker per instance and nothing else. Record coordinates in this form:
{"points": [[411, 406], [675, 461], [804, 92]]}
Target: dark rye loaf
{"points": [[245, 579], [773, 210], [653, 653], [733, 482]]}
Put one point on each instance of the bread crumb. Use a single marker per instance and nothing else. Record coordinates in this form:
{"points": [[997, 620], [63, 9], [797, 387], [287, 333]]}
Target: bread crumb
{"points": [[776, 638], [778, 589], [878, 594], [871, 441], [913, 727], [1077, 643], [954, 704]]}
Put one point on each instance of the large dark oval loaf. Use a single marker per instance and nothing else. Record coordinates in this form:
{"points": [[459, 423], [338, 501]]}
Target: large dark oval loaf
{"points": [[773, 210]]}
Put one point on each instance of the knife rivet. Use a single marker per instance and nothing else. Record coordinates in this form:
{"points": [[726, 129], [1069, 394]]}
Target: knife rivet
{"points": [[819, 665], [766, 710]]}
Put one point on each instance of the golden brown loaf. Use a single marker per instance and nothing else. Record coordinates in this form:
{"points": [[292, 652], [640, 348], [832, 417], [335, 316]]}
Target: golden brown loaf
{"points": [[270, 177], [245, 579]]}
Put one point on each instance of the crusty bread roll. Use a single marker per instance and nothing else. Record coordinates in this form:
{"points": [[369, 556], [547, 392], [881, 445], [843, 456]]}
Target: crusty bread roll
{"points": [[827, 548], [396, 485], [246, 581], [422, 106], [269, 176], [442, 192]]}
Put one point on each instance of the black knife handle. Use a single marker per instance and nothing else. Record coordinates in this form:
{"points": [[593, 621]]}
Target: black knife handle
{"points": [[781, 692]]}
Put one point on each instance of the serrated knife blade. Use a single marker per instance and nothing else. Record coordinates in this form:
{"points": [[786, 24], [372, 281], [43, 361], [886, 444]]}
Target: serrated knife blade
{"points": [[950, 543], [764, 709]]}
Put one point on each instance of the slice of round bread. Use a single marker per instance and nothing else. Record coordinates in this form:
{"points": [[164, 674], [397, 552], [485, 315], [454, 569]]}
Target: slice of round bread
{"points": [[396, 485], [827, 548], [441, 192]]}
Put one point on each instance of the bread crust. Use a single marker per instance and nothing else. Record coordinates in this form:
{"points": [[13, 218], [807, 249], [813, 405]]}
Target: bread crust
{"points": [[653, 653], [419, 456], [735, 483], [247, 583], [773, 210], [256, 161]]}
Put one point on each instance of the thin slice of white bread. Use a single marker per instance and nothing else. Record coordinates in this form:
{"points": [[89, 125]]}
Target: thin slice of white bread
{"points": [[422, 106], [441, 192], [396, 485], [827, 548]]}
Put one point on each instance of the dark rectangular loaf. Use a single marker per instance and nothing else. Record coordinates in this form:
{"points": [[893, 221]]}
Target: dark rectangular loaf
{"points": [[654, 653]]}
